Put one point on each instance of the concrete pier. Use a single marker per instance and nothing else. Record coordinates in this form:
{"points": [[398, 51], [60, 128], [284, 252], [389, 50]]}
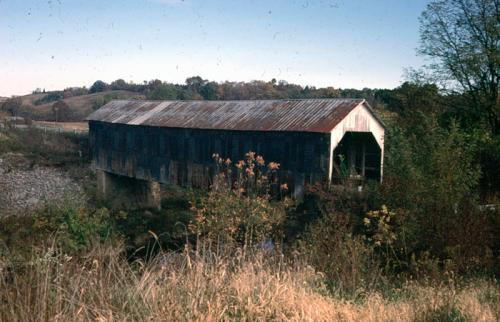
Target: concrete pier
{"points": [[145, 193]]}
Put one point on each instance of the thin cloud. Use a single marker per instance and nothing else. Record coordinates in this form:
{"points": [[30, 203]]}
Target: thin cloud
{"points": [[169, 2]]}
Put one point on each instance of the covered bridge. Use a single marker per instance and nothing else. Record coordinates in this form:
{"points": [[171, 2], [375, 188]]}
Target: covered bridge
{"points": [[173, 141]]}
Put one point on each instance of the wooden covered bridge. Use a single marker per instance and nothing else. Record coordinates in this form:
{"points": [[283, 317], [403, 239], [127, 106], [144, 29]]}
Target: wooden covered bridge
{"points": [[172, 142]]}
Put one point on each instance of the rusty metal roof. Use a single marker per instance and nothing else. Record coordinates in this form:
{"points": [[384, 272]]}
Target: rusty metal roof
{"points": [[300, 115]]}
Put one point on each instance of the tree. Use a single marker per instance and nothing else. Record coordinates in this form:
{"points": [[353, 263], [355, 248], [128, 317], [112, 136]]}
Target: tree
{"points": [[209, 91], [411, 98], [163, 92], [12, 105], [329, 92], [61, 111], [195, 83], [462, 39], [98, 86], [119, 84]]}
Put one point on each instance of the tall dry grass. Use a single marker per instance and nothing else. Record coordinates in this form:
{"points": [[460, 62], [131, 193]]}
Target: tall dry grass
{"points": [[213, 285]]}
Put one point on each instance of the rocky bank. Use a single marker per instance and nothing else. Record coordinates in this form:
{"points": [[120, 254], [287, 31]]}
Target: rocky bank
{"points": [[25, 187]]}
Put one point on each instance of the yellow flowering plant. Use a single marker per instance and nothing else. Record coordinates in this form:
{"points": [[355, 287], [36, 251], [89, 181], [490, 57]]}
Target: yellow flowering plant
{"points": [[243, 205]]}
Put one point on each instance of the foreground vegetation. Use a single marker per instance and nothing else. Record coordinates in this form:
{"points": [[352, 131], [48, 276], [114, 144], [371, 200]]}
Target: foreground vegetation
{"points": [[212, 284], [242, 252]]}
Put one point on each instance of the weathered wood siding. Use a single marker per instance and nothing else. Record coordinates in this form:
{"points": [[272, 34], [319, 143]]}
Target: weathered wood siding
{"points": [[360, 119], [184, 156]]}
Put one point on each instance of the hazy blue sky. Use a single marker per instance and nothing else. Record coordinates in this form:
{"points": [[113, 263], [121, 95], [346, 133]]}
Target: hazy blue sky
{"points": [[350, 43]]}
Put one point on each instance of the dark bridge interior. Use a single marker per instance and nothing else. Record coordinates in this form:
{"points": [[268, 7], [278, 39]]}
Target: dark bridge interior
{"points": [[357, 156]]}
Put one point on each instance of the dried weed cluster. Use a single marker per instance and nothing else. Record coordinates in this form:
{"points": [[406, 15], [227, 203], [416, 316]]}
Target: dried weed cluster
{"points": [[214, 285]]}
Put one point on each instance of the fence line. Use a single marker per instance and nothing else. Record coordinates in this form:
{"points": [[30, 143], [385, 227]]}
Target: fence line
{"points": [[47, 128]]}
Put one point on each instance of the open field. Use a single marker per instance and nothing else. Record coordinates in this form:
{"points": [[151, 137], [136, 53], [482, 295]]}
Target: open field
{"points": [[79, 126], [78, 106]]}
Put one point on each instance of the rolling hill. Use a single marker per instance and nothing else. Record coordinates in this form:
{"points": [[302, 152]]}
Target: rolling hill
{"points": [[78, 106]]}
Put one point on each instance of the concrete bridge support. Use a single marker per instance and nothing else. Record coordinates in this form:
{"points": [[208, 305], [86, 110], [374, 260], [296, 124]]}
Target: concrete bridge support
{"points": [[146, 194]]}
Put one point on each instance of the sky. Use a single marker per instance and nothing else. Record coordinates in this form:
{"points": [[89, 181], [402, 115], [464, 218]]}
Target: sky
{"points": [[341, 43]]}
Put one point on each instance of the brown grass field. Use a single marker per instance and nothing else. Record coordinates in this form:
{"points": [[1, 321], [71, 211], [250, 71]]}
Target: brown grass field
{"points": [[208, 286], [80, 106], [79, 126]]}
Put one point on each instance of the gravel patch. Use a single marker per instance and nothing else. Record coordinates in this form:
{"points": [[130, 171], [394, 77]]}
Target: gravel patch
{"points": [[24, 189]]}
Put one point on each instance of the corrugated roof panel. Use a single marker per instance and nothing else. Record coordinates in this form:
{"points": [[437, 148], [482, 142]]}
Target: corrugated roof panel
{"points": [[307, 115]]}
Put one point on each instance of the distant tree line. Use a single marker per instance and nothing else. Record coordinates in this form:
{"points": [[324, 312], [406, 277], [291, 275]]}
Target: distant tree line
{"points": [[197, 88]]}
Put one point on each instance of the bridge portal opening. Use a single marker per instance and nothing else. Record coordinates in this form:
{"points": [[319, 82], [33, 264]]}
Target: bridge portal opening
{"points": [[357, 157]]}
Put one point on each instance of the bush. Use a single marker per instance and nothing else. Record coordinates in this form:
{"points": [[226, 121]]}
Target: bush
{"points": [[75, 226], [46, 148], [49, 98], [349, 263], [245, 210], [432, 181]]}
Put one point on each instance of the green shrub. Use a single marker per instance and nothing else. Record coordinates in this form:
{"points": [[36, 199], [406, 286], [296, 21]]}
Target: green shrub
{"points": [[76, 226], [432, 180], [49, 98]]}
